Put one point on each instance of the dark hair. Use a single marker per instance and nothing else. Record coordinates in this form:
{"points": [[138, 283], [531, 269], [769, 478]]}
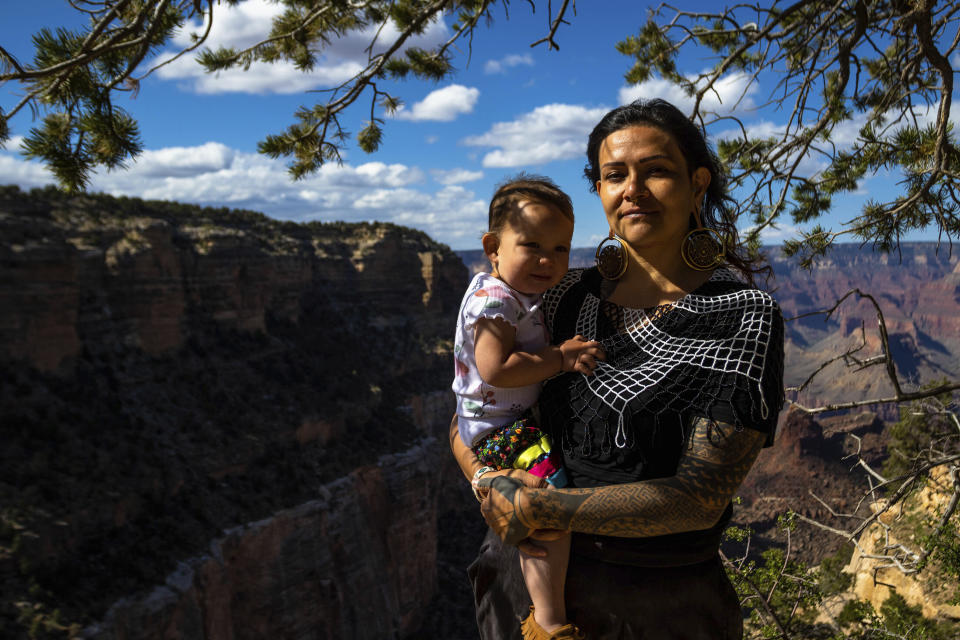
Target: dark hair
{"points": [[718, 207], [525, 186]]}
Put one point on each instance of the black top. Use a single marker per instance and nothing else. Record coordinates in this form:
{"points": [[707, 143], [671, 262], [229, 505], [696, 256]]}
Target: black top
{"points": [[716, 353]]}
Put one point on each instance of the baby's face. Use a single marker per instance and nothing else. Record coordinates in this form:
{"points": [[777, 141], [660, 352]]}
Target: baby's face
{"points": [[534, 248]]}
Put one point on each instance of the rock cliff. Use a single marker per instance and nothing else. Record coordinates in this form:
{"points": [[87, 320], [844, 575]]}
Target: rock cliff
{"points": [[875, 578], [806, 471], [355, 563], [172, 374], [90, 273]]}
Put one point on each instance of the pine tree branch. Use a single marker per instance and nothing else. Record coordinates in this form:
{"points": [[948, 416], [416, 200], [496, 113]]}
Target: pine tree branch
{"points": [[200, 40]]}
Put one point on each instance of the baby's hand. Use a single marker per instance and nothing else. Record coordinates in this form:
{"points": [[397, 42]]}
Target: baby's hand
{"points": [[578, 354]]}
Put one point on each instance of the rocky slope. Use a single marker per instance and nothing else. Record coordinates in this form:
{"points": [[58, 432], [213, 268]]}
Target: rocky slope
{"points": [[811, 470], [874, 578], [170, 374], [353, 563]]}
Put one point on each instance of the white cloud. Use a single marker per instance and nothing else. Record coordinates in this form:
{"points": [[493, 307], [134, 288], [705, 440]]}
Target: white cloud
{"points": [[442, 105], [504, 63], [391, 175], [215, 175], [249, 22], [240, 25], [15, 170], [185, 161], [452, 215], [755, 129], [13, 143], [548, 133], [455, 176], [732, 93]]}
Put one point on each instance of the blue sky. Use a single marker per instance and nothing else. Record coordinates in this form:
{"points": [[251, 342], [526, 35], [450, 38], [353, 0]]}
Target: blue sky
{"points": [[511, 108]]}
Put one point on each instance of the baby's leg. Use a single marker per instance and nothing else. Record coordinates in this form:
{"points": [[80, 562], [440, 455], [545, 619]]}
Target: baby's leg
{"points": [[545, 579]]}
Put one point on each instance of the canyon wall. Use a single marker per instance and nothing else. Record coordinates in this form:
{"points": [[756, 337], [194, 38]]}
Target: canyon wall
{"points": [[91, 272], [875, 578], [173, 374], [358, 562], [810, 470]]}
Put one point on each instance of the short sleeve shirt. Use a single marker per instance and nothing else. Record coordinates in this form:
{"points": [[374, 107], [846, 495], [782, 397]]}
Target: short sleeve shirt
{"points": [[482, 407]]}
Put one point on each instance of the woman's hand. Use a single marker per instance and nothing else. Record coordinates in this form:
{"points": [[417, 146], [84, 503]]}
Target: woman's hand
{"points": [[525, 479], [502, 509], [502, 516]]}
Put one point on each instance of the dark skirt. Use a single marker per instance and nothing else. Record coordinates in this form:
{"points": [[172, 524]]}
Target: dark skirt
{"points": [[611, 601]]}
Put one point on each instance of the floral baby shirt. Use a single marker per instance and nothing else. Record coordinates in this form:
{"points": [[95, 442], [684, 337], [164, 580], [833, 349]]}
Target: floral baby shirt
{"points": [[482, 407]]}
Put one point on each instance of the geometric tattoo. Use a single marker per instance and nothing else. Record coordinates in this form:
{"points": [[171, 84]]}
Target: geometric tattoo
{"points": [[710, 471]]}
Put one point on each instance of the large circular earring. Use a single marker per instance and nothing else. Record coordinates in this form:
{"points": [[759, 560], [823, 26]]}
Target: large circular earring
{"points": [[611, 257], [703, 249]]}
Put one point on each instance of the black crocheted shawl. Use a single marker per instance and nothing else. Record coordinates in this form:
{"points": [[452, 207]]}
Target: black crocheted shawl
{"points": [[716, 353]]}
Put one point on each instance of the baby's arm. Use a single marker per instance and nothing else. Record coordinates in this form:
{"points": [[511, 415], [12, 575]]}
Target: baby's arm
{"points": [[499, 365]]}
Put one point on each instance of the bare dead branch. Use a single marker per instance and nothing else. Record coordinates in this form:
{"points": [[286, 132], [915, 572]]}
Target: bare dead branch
{"points": [[554, 25]]}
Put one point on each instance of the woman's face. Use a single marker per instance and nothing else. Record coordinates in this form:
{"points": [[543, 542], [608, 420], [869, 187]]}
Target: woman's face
{"points": [[646, 189]]}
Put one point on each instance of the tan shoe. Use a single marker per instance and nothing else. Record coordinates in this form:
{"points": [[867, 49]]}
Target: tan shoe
{"points": [[533, 631]]}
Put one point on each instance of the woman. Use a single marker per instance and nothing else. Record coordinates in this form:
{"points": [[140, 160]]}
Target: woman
{"points": [[658, 440]]}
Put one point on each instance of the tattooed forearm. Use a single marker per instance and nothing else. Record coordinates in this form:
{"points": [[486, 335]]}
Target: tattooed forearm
{"points": [[710, 471]]}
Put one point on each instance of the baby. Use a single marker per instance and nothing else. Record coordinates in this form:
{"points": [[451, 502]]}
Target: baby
{"points": [[503, 354]]}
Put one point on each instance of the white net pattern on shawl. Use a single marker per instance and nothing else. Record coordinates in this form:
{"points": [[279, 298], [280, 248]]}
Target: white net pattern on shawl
{"points": [[721, 336]]}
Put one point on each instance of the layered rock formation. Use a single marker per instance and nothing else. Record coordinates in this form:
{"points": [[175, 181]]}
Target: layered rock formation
{"points": [[171, 373], [90, 272]]}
